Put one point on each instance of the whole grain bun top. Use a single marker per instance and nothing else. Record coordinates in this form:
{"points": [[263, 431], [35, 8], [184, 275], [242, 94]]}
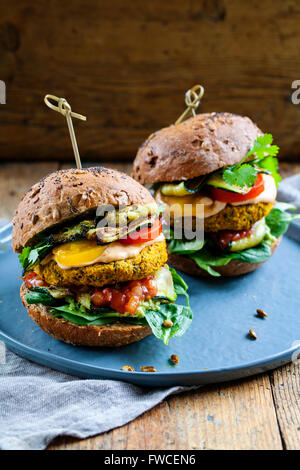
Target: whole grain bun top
{"points": [[197, 146], [66, 194]]}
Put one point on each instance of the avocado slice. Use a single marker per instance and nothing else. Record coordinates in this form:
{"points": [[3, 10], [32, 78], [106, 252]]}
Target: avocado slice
{"points": [[165, 284], [256, 236]]}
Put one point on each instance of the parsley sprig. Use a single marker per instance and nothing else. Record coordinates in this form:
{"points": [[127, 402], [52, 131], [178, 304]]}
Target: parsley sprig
{"points": [[244, 173], [30, 257], [262, 146]]}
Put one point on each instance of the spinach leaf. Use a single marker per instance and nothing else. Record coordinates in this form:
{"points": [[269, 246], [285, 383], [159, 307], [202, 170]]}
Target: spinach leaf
{"points": [[180, 315], [75, 317], [70, 317], [279, 220], [185, 247], [36, 297], [210, 256], [180, 286], [110, 320], [256, 254], [77, 311]]}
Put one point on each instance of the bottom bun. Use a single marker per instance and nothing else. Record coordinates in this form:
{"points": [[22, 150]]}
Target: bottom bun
{"points": [[233, 268], [117, 334]]}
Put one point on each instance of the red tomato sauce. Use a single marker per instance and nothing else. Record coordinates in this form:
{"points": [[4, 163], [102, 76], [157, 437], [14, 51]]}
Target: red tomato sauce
{"points": [[224, 237], [127, 298], [33, 280]]}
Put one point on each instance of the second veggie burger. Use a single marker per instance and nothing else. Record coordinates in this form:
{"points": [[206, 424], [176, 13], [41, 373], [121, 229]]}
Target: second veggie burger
{"points": [[225, 163], [94, 260]]}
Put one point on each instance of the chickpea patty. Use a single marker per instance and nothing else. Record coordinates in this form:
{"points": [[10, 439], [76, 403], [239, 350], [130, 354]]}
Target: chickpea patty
{"points": [[237, 217], [146, 263]]}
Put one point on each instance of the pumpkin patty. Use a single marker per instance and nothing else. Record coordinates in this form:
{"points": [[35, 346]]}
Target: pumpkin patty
{"points": [[146, 263], [237, 217]]}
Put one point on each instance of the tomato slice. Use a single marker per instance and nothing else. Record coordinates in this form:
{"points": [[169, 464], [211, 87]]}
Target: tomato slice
{"points": [[226, 196], [144, 235]]}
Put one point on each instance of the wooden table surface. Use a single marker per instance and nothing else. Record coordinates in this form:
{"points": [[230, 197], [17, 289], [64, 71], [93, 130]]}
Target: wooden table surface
{"points": [[261, 412]]}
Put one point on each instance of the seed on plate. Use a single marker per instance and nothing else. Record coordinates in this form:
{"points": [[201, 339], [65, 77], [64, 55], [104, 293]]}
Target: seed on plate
{"points": [[168, 323], [128, 368], [174, 359], [148, 369], [261, 313], [252, 334]]}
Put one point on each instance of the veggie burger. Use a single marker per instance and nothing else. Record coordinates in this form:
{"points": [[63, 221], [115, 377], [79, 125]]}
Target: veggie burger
{"points": [[94, 260], [224, 163]]}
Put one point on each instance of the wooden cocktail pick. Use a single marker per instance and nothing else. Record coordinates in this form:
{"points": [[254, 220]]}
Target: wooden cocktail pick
{"points": [[65, 109], [192, 100]]}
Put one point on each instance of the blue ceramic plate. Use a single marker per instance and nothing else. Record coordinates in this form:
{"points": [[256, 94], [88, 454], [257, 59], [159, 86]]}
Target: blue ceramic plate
{"points": [[216, 347]]}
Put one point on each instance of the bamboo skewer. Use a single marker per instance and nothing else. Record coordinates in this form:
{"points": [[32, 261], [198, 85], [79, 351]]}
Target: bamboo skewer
{"points": [[192, 100], [65, 109]]}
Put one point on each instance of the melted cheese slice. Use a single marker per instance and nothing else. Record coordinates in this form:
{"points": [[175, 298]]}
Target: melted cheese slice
{"points": [[194, 205], [87, 252], [268, 195]]}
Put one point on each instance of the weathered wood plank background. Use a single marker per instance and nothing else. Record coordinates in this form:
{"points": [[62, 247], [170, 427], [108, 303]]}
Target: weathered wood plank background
{"points": [[126, 66]]}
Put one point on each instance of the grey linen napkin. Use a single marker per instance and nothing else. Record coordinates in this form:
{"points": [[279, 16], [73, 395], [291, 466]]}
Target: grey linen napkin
{"points": [[289, 190], [37, 404]]}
